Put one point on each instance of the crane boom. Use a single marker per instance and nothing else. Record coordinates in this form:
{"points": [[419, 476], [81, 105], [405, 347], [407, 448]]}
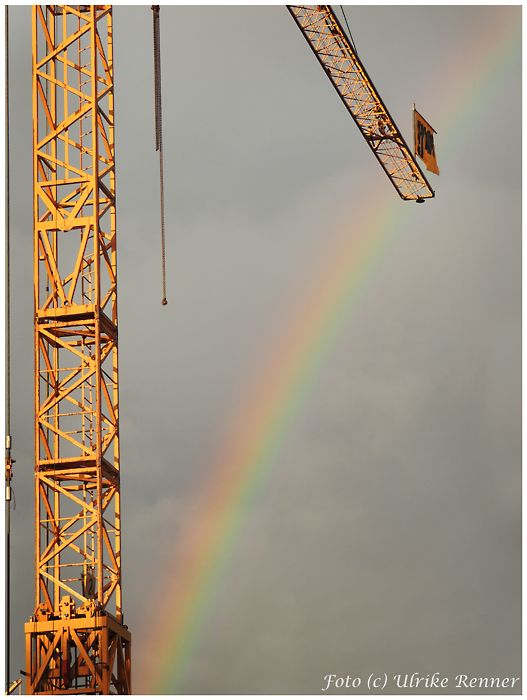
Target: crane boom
{"points": [[323, 32]]}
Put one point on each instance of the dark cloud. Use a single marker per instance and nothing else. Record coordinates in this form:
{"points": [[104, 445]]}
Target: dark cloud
{"points": [[385, 537]]}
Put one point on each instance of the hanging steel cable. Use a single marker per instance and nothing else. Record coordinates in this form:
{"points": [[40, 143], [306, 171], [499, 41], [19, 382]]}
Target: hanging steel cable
{"points": [[8, 461], [159, 138], [349, 30]]}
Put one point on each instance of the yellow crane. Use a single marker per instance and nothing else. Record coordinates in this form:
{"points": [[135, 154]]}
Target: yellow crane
{"points": [[76, 639], [324, 34]]}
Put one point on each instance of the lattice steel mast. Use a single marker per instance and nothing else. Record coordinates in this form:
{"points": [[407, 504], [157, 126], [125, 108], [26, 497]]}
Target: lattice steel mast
{"points": [[76, 641], [323, 32]]}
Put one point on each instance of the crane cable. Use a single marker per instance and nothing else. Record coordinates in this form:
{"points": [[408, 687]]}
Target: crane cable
{"points": [[159, 138], [349, 32], [8, 460]]}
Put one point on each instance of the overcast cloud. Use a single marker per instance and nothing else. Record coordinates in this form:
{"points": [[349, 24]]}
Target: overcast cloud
{"points": [[386, 535]]}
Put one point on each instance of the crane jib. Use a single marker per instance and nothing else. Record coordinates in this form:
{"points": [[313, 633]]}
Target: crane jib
{"points": [[329, 43]]}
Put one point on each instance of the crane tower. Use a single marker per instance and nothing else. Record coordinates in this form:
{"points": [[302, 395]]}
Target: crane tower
{"points": [[76, 641]]}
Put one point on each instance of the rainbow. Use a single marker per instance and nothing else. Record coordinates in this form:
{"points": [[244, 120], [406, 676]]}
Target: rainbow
{"points": [[180, 614]]}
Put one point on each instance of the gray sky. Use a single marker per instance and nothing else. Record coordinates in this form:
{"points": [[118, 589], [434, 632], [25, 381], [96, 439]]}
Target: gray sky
{"points": [[385, 534]]}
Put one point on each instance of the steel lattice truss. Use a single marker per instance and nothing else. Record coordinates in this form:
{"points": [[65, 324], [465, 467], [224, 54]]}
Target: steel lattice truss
{"points": [[78, 528], [324, 34]]}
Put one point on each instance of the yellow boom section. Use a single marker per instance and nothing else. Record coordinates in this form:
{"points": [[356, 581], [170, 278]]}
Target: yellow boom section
{"points": [[330, 45]]}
